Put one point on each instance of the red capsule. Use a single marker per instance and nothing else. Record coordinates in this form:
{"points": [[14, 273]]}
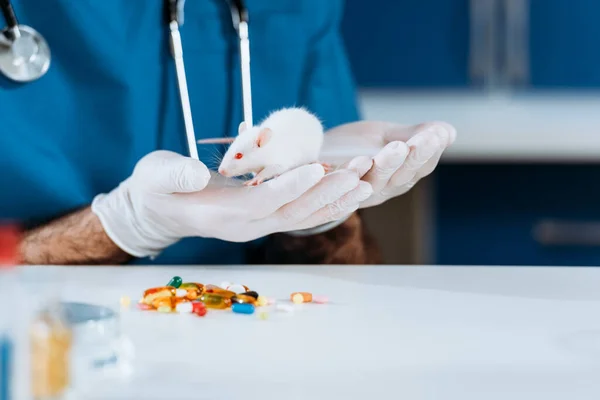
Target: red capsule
{"points": [[199, 310]]}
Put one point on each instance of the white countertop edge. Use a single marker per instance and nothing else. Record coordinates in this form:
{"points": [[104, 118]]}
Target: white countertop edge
{"points": [[546, 127]]}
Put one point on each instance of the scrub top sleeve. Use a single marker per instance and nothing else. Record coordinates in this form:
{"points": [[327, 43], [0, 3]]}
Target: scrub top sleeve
{"points": [[329, 89]]}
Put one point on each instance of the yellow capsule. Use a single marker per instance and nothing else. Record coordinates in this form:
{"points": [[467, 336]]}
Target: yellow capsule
{"points": [[242, 298], [262, 301], [213, 300], [297, 298], [304, 296], [164, 309], [152, 294], [125, 301], [263, 315]]}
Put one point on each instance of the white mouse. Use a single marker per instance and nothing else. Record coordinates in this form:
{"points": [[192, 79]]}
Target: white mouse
{"points": [[286, 139]]}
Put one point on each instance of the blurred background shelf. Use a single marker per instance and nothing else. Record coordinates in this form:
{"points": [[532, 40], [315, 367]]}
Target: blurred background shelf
{"points": [[500, 126], [520, 80]]}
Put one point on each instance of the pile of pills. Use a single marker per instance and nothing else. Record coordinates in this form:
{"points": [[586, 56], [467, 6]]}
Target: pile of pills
{"points": [[190, 297]]}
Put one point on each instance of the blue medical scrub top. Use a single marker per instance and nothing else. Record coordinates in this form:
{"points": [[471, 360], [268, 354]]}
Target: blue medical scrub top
{"points": [[110, 96]]}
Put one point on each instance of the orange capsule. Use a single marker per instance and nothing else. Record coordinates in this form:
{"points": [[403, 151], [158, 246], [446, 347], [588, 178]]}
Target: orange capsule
{"points": [[237, 288], [154, 293], [171, 302], [306, 297], [163, 302], [194, 290], [213, 300], [218, 290]]}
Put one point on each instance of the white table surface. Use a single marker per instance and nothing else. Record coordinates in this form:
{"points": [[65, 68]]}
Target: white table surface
{"points": [[389, 332]]}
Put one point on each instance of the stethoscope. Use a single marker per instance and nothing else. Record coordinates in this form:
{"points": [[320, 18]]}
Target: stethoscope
{"points": [[24, 53], [25, 56]]}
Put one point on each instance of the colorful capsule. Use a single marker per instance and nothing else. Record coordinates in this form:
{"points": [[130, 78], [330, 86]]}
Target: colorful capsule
{"points": [[201, 312], [263, 315], [220, 291], [242, 308], [305, 296], [213, 300], [251, 293], [297, 298], [197, 306], [237, 288], [181, 293], [125, 301], [262, 301], [241, 298], [175, 282], [164, 309], [164, 302], [194, 290], [154, 293]]}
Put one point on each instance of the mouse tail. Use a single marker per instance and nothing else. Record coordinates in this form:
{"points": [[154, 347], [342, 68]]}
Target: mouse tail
{"points": [[215, 140]]}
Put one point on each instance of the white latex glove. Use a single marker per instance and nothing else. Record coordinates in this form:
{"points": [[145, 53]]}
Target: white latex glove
{"points": [[169, 197], [401, 154]]}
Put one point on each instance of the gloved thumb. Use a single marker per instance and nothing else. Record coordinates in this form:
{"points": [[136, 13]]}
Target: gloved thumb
{"points": [[167, 172]]}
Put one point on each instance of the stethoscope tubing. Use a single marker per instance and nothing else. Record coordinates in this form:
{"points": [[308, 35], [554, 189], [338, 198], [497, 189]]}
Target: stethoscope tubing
{"points": [[39, 63], [239, 15]]}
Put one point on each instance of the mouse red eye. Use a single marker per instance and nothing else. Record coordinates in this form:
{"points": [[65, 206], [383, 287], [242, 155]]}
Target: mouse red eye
{"points": [[238, 156]]}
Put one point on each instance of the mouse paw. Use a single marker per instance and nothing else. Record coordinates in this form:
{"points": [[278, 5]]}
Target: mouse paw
{"points": [[253, 182], [327, 167]]}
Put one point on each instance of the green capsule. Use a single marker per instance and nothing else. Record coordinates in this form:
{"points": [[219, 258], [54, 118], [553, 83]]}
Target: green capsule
{"points": [[175, 282]]}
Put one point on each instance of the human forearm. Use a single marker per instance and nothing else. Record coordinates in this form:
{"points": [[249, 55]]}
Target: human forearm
{"points": [[77, 238], [348, 243]]}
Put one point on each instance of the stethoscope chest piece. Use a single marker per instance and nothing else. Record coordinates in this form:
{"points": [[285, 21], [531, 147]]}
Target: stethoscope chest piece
{"points": [[24, 57]]}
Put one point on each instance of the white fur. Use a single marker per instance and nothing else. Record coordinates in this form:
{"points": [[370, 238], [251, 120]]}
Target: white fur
{"points": [[297, 137]]}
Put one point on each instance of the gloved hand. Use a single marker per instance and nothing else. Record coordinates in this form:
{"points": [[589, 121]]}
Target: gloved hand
{"points": [[169, 197], [401, 154]]}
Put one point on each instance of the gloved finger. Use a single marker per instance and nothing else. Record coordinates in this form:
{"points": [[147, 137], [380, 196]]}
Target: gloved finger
{"points": [[361, 165], [346, 205], [431, 164], [397, 187], [270, 196], [167, 172], [385, 164], [423, 147], [331, 188]]}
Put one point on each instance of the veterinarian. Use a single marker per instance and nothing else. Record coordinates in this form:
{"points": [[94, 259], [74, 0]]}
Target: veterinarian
{"points": [[95, 161]]}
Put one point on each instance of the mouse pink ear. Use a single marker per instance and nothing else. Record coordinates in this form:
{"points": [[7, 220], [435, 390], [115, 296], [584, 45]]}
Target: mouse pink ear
{"points": [[242, 127], [263, 137]]}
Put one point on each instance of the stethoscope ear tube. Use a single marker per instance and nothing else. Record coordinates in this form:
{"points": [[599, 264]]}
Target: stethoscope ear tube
{"points": [[239, 16], [9, 14], [173, 12], [12, 25]]}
